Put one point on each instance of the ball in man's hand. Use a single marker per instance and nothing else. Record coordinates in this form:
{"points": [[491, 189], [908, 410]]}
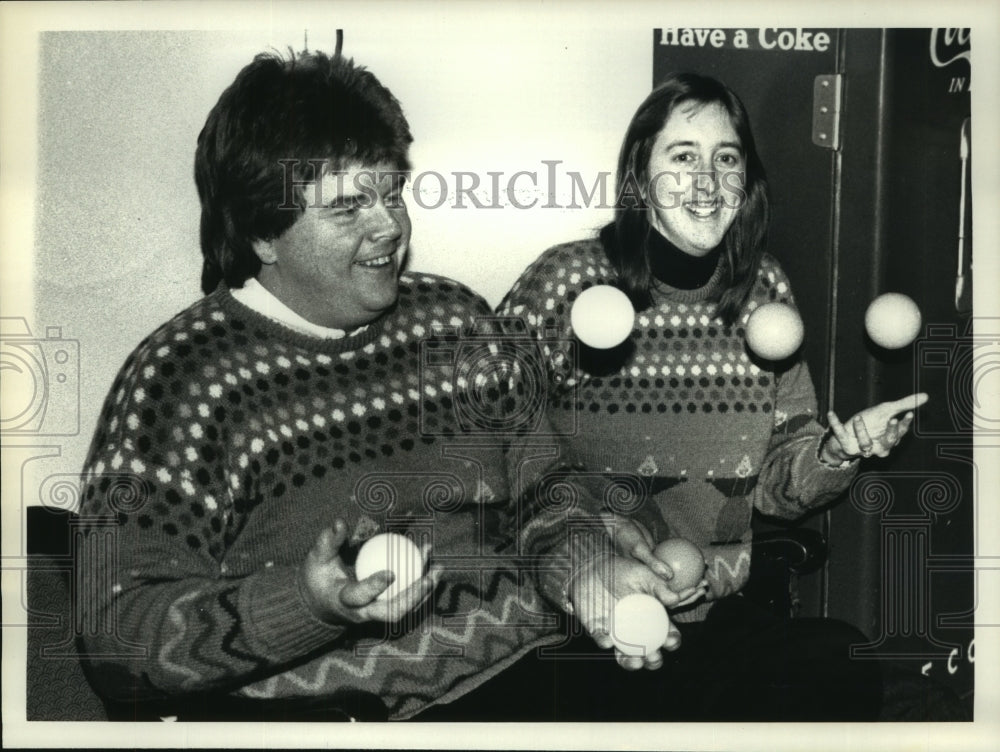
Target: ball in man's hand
{"points": [[395, 553]]}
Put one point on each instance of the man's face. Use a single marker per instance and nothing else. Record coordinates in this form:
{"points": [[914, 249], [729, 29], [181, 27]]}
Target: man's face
{"points": [[338, 265]]}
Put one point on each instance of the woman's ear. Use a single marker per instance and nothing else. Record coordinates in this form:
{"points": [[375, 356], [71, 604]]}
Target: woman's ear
{"points": [[265, 251]]}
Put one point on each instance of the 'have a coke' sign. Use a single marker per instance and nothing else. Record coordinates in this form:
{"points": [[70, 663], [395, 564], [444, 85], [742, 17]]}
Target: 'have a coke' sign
{"points": [[785, 40]]}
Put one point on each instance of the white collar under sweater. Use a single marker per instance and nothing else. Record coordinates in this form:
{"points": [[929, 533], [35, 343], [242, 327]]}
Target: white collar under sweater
{"points": [[258, 298]]}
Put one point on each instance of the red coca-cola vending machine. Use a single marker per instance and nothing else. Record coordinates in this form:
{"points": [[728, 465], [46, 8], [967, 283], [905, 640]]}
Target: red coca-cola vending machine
{"points": [[865, 135]]}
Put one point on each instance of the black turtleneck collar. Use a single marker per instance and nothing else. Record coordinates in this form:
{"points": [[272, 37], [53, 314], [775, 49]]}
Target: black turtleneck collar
{"points": [[672, 266]]}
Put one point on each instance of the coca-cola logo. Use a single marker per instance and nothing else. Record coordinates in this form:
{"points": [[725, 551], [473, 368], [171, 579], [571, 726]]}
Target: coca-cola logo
{"points": [[949, 45]]}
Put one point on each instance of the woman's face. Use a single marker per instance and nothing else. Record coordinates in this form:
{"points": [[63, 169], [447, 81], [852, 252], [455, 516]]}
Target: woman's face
{"points": [[696, 177]]}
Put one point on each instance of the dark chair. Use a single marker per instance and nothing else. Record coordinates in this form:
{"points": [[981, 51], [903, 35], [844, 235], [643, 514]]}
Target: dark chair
{"points": [[57, 689], [777, 559]]}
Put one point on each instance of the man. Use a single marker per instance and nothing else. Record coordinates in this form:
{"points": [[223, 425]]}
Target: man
{"points": [[263, 434]]}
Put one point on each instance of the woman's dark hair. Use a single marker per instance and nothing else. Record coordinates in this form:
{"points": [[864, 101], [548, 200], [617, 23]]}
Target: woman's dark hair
{"points": [[279, 125], [624, 239]]}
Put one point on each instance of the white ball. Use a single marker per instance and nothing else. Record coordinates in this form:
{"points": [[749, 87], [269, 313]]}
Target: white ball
{"points": [[394, 552], [892, 320], [775, 331], [639, 625], [602, 317]]}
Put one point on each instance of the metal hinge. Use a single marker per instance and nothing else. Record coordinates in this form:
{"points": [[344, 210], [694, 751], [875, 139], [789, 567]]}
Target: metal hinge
{"points": [[827, 92]]}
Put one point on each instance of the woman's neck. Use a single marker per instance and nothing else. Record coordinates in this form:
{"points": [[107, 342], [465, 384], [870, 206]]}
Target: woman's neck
{"points": [[672, 266]]}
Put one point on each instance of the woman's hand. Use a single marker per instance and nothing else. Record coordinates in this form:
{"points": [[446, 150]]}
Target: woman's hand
{"points": [[875, 430], [632, 540], [336, 597], [600, 584]]}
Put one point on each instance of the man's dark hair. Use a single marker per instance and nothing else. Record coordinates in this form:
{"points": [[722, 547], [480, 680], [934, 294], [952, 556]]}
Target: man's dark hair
{"points": [[624, 239], [306, 107]]}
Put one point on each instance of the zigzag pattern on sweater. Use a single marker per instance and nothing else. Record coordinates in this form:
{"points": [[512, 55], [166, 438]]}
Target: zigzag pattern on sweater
{"points": [[737, 572], [233, 633], [310, 678], [179, 624], [405, 703]]}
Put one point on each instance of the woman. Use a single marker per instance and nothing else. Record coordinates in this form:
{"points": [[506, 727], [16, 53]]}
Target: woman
{"points": [[715, 430]]}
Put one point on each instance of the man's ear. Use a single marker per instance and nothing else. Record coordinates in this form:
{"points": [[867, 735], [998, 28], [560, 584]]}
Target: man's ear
{"points": [[265, 251]]}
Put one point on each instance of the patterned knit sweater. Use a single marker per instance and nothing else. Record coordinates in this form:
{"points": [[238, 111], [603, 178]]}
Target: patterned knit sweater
{"points": [[712, 433], [228, 442]]}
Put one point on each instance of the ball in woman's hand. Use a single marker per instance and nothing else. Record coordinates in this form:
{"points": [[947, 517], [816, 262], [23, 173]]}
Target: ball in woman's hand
{"points": [[602, 317], [393, 552], [639, 625], [774, 331], [892, 320], [685, 559]]}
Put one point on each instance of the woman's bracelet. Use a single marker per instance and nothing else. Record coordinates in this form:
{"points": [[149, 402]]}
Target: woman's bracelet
{"points": [[819, 453]]}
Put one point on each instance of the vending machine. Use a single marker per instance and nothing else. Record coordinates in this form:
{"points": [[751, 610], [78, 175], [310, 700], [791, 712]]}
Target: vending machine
{"points": [[865, 135]]}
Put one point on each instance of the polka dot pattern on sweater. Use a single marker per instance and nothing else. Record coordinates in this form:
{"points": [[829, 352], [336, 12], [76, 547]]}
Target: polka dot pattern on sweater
{"points": [[682, 404], [683, 359], [220, 411]]}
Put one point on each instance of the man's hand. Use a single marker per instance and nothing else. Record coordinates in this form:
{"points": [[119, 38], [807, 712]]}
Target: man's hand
{"points": [[599, 585], [337, 598]]}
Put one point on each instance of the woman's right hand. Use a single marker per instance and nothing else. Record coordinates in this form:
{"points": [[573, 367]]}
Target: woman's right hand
{"points": [[336, 597], [632, 540]]}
